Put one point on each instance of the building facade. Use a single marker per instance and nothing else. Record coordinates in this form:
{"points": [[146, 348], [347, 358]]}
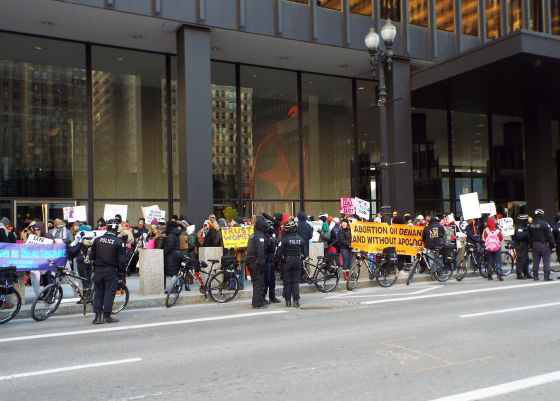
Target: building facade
{"points": [[268, 105]]}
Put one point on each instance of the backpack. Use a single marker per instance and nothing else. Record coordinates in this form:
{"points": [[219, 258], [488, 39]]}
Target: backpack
{"points": [[492, 242]]}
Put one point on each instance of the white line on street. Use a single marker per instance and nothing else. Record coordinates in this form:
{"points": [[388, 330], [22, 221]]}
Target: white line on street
{"points": [[453, 294], [499, 311], [68, 369], [139, 326], [388, 294], [506, 388]]}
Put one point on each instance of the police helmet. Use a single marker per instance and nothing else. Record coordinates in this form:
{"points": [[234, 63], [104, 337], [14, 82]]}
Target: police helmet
{"points": [[435, 219], [290, 227], [523, 217], [113, 226], [539, 212]]}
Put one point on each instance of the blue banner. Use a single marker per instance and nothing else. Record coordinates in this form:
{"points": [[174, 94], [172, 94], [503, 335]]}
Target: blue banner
{"points": [[27, 257]]}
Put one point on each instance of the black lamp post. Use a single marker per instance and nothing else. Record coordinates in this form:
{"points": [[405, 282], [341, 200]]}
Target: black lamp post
{"points": [[381, 59]]}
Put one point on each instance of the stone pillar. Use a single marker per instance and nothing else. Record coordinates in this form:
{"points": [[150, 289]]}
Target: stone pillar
{"points": [[194, 87], [316, 249], [541, 184], [151, 273]]}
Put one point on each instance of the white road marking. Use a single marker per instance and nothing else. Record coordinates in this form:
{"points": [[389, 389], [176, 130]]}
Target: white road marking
{"points": [[68, 369], [499, 311], [506, 388], [388, 294], [452, 294], [139, 326]]}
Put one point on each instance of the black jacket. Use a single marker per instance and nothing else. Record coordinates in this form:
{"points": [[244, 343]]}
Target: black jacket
{"points": [[305, 231], [433, 236], [521, 235], [345, 238], [473, 234], [258, 244], [540, 231], [108, 251], [171, 252], [7, 236], [212, 238], [291, 246]]}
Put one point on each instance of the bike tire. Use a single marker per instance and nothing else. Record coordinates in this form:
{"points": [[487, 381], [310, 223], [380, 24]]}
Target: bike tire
{"points": [[461, 271], [441, 273], [120, 304], [412, 272], [507, 264], [353, 277], [51, 296], [387, 275], [6, 316], [174, 292], [223, 289], [327, 279]]}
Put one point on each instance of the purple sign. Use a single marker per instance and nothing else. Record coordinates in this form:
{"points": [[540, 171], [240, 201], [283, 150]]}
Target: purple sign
{"points": [[27, 257]]}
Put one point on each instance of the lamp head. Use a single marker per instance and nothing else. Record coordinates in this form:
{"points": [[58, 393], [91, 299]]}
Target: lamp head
{"points": [[372, 40], [389, 33]]}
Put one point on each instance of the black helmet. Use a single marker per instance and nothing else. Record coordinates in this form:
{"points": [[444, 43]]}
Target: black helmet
{"points": [[290, 227], [435, 219], [113, 226], [539, 212]]}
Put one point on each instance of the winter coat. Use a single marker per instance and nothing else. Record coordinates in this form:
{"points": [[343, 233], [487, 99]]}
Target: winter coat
{"points": [[305, 231]]}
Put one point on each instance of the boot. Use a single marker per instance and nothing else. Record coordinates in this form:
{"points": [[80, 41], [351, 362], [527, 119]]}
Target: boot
{"points": [[98, 319], [274, 300], [296, 304], [288, 303], [490, 275], [109, 319], [500, 277]]}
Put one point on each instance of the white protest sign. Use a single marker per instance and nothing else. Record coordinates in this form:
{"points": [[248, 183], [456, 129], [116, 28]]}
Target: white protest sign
{"points": [[362, 208], [112, 210], [76, 213], [190, 230], [33, 239], [470, 206], [317, 226], [488, 208], [152, 212], [506, 225]]}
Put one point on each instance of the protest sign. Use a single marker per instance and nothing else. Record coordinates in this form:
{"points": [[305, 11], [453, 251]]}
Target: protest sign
{"points": [[152, 212], [507, 227], [112, 210], [374, 237], [236, 237], [470, 206], [488, 208], [75, 213], [34, 239], [32, 256], [190, 229], [347, 206], [362, 208]]}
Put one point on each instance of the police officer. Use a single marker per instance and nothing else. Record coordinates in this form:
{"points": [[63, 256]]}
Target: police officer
{"points": [[270, 274], [433, 236], [521, 243], [256, 256], [107, 256], [290, 251], [542, 241]]}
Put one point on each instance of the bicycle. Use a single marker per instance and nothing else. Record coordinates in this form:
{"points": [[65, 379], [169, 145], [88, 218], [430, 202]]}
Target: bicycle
{"points": [[48, 301], [324, 275], [434, 260], [509, 259], [383, 268], [223, 286], [10, 300], [474, 260]]}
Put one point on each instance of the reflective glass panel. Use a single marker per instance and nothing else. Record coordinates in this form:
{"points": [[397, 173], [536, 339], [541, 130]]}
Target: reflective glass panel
{"points": [[368, 140], [508, 158], [493, 19], [469, 12], [555, 13], [445, 15], [418, 12], [536, 21], [515, 15], [332, 4], [391, 9], [363, 7]]}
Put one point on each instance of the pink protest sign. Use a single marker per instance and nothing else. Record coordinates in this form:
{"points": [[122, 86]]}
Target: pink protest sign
{"points": [[347, 206]]}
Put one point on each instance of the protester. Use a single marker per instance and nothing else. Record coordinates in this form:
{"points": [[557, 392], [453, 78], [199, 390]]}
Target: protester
{"points": [[345, 246], [60, 232], [493, 237], [171, 253], [305, 231], [7, 231]]}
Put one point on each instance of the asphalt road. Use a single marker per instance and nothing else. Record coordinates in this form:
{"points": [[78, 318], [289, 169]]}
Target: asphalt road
{"points": [[464, 341]]}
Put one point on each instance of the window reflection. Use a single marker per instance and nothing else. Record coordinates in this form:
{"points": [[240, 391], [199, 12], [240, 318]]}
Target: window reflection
{"points": [[368, 140], [445, 14], [363, 7], [332, 4], [515, 15], [555, 13], [536, 22], [391, 9], [493, 19], [469, 12], [508, 158], [418, 11]]}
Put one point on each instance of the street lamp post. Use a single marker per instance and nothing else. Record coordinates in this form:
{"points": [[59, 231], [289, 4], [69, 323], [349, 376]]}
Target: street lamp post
{"points": [[381, 59]]}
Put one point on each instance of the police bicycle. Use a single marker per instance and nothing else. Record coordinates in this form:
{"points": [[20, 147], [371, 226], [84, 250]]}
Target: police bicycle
{"points": [[10, 300], [324, 274], [222, 286], [48, 301]]}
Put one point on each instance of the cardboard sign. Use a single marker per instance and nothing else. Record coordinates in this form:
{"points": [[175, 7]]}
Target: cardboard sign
{"points": [[112, 210], [26, 257], [75, 213], [374, 237], [507, 227], [488, 208], [236, 237], [362, 208], [190, 229], [152, 212], [33, 239], [347, 206], [470, 206]]}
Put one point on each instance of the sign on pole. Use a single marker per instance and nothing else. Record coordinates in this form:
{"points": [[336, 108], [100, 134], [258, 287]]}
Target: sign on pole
{"points": [[470, 206], [506, 225], [112, 210], [75, 213], [488, 208], [347, 206], [362, 208], [152, 212]]}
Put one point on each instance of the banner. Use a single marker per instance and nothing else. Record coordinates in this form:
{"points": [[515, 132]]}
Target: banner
{"points": [[347, 206], [27, 257], [488, 208], [152, 212], [76, 213], [507, 227], [374, 237], [362, 208], [112, 210], [236, 237], [33, 239], [470, 206]]}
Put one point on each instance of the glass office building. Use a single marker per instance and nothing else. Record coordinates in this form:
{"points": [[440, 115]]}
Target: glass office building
{"points": [[268, 105]]}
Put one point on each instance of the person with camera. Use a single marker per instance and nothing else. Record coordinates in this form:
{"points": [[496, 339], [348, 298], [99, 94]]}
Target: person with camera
{"points": [[107, 256], [290, 252]]}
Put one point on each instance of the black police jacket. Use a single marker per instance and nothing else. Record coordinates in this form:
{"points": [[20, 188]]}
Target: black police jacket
{"points": [[291, 246], [433, 236], [108, 251], [521, 235], [258, 243], [540, 231]]}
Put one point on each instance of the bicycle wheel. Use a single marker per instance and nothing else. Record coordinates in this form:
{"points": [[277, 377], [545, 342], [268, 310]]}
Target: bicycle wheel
{"points": [[122, 297], [507, 264], [174, 291], [47, 302], [10, 304], [223, 287], [327, 278], [412, 271], [479, 262], [353, 277], [441, 273], [387, 275], [461, 270]]}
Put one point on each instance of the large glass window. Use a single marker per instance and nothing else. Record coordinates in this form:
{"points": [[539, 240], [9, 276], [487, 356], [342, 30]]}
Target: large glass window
{"points": [[328, 136], [43, 118], [418, 12], [555, 14], [469, 13], [445, 15], [515, 15], [363, 7], [128, 103], [224, 129], [493, 19], [508, 158], [536, 22], [391, 9], [368, 141], [332, 4], [269, 137]]}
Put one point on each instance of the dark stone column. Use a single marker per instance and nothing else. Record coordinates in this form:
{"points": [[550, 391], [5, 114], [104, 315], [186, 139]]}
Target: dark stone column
{"points": [[195, 123], [540, 168], [400, 137]]}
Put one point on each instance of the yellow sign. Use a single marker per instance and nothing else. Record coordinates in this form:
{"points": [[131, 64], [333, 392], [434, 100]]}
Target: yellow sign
{"points": [[236, 237], [374, 237]]}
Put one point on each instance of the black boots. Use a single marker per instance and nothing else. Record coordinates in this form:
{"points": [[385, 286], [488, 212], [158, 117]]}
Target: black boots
{"points": [[296, 304], [288, 303], [109, 319], [98, 319], [274, 301]]}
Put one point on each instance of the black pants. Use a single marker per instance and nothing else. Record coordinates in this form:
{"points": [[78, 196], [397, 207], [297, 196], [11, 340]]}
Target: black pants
{"points": [[257, 278], [522, 268], [105, 282], [84, 270], [541, 250], [269, 281], [292, 275]]}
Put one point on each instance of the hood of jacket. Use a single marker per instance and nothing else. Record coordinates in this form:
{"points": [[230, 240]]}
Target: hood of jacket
{"points": [[260, 224], [491, 223], [302, 217]]}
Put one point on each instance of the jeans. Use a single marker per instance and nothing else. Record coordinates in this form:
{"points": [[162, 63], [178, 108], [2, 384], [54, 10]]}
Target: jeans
{"points": [[494, 262], [346, 258]]}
